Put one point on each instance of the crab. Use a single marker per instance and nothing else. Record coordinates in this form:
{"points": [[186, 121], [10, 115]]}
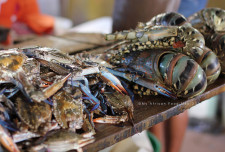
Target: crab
{"points": [[63, 140], [120, 104], [67, 110]]}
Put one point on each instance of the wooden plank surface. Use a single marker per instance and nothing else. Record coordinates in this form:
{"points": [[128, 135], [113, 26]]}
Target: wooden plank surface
{"points": [[69, 42], [149, 110], [88, 38]]}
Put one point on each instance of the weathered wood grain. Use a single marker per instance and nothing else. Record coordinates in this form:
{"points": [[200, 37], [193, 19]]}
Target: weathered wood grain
{"points": [[149, 111]]}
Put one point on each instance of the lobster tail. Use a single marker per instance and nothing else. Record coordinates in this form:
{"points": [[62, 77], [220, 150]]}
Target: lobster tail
{"points": [[210, 64], [208, 20], [183, 74], [216, 43]]}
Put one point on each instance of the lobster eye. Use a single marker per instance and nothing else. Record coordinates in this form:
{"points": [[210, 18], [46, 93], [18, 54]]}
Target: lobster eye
{"points": [[180, 21]]}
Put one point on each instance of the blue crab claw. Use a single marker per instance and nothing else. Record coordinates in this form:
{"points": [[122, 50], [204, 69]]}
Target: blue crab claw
{"points": [[92, 98], [112, 81], [5, 119]]}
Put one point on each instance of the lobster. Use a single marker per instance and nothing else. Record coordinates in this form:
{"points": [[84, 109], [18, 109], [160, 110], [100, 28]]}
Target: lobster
{"points": [[167, 72], [162, 32], [211, 23]]}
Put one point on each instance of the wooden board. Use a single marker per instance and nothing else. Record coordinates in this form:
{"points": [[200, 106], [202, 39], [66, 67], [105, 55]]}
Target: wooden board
{"points": [[148, 111], [69, 42]]}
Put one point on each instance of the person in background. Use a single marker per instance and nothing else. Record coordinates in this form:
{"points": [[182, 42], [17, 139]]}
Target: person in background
{"points": [[24, 17], [189, 7], [126, 15]]}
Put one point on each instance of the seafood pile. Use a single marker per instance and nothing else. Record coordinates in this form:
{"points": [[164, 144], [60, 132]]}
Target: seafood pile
{"points": [[47, 102], [50, 100]]}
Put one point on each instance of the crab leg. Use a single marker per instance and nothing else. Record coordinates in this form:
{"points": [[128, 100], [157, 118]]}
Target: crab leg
{"points": [[21, 136], [15, 90], [3, 91], [19, 86], [5, 120], [7, 125], [145, 83], [7, 141]]}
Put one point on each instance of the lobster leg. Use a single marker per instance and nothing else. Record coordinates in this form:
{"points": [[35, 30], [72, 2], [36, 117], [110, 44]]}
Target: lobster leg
{"points": [[145, 83]]}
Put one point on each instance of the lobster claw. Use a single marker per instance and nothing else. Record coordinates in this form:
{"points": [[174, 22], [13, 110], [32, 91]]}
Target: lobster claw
{"points": [[112, 81], [145, 83]]}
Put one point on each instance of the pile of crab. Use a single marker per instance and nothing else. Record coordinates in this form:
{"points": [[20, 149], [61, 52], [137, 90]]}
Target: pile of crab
{"points": [[47, 102], [50, 100]]}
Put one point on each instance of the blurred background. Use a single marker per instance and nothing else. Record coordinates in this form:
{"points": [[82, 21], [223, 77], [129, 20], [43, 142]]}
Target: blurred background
{"points": [[205, 131]]}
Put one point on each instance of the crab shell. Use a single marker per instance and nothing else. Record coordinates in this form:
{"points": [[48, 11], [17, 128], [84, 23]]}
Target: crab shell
{"points": [[67, 110]]}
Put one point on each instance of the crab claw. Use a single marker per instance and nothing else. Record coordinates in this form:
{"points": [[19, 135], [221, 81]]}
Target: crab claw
{"points": [[7, 141], [112, 81], [48, 92]]}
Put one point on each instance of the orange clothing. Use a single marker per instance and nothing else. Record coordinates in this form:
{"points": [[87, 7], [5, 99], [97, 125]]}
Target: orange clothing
{"points": [[29, 13], [26, 11], [7, 9]]}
